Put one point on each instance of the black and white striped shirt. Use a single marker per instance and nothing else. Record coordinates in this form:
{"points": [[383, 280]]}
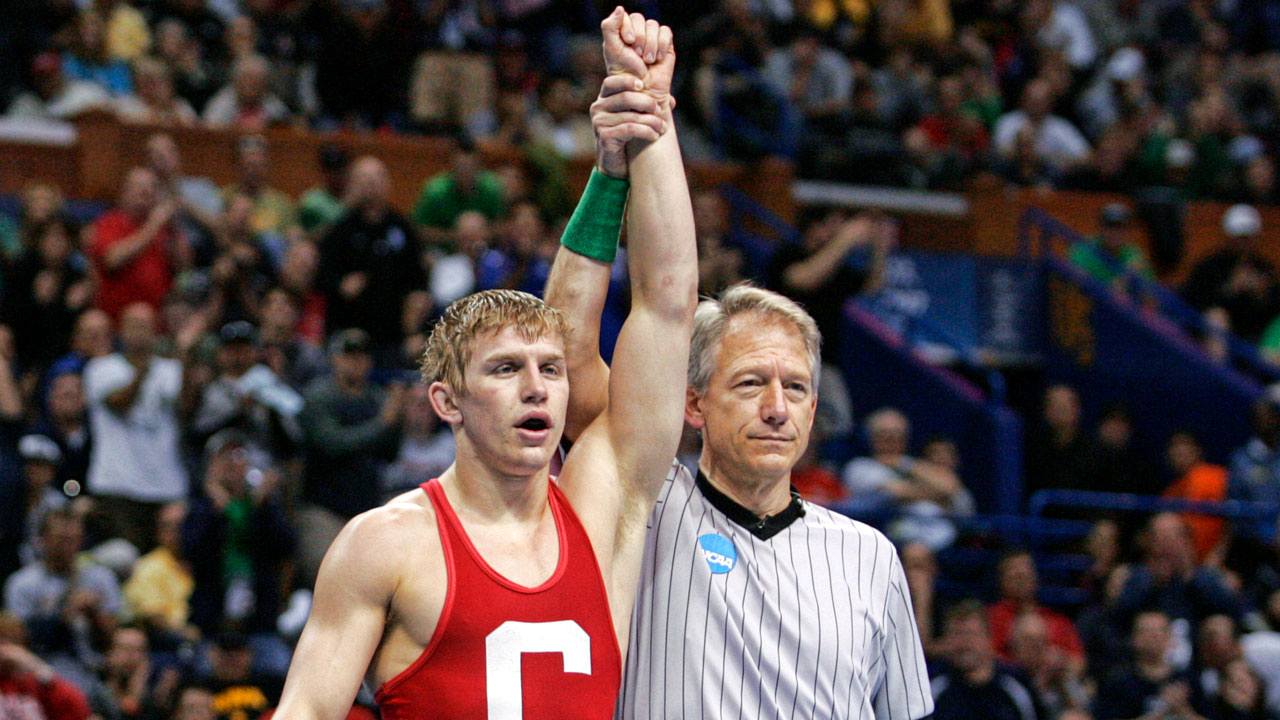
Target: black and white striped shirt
{"points": [[812, 622]]}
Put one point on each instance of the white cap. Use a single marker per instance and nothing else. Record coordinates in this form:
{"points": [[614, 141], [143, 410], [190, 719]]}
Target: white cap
{"points": [[1180, 153], [39, 447], [1241, 220], [1126, 64]]}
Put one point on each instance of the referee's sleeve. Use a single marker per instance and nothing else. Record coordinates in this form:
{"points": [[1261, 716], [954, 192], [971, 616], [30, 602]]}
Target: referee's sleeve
{"points": [[903, 693]]}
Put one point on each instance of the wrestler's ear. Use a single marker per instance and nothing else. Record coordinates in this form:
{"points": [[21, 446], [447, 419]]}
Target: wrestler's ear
{"points": [[693, 408], [444, 402]]}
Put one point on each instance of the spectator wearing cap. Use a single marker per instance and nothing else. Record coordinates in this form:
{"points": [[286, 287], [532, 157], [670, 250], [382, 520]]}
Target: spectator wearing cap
{"points": [[64, 420], [351, 428], [135, 248], [54, 96], [236, 540], [371, 268], [246, 103], [466, 185], [249, 397], [1119, 84], [135, 398], [69, 604], [273, 211], [1111, 257], [31, 684], [43, 494], [1237, 279], [322, 206]]}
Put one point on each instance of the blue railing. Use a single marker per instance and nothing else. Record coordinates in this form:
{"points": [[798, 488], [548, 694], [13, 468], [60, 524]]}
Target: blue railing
{"points": [[1127, 502], [1038, 244], [966, 569], [743, 205]]}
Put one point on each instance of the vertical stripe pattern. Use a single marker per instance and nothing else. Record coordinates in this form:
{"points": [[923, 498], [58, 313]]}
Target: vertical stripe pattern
{"points": [[815, 622]]}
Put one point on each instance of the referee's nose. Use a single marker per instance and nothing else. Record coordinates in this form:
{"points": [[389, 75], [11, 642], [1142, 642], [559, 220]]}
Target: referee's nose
{"points": [[773, 403]]}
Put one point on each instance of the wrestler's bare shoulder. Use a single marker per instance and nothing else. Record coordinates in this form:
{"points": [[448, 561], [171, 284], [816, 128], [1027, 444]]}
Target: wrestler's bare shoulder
{"points": [[393, 534]]}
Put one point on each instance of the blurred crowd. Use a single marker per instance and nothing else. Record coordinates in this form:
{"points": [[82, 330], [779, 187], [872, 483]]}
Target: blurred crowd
{"points": [[201, 384], [1176, 96]]}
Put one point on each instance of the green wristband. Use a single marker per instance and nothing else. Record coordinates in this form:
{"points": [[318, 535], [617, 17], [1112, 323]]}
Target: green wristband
{"points": [[597, 221]]}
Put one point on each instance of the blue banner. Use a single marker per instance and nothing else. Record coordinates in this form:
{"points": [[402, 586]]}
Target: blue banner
{"points": [[961, 303]]}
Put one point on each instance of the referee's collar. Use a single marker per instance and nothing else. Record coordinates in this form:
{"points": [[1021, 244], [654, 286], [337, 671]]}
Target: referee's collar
{"points": [[762, 527]]}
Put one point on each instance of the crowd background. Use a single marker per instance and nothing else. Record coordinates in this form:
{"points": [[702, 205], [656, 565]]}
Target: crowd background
{"points": [[200, 383]]}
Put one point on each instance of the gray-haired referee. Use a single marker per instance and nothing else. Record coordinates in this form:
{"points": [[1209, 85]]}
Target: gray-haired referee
{"points": [[752, 603]]}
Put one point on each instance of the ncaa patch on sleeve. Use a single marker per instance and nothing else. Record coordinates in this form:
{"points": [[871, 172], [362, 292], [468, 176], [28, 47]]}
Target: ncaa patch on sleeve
{"points": [[720, 554]]}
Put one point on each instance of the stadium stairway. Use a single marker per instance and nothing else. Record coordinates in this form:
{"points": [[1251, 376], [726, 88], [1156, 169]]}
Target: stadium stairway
{"points": [[1140, 350]]}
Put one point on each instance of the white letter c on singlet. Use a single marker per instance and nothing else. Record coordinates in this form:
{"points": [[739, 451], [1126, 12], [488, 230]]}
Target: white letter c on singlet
{"points": [[504, 646]]}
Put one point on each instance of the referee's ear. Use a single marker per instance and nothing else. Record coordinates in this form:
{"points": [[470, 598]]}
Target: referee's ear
{"points": [[693, 408]]}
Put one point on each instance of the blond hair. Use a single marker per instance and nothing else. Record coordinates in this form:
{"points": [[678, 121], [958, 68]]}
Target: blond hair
{"points": [[712, 317], [449, 347]]}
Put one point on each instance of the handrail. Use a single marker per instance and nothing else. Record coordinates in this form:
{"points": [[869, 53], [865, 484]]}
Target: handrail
{"points": [[1130, 502], [1023, 526], [1170, 302], [741, 202]]}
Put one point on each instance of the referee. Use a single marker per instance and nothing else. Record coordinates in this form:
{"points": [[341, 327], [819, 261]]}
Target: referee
{"points": [[752, 603]]}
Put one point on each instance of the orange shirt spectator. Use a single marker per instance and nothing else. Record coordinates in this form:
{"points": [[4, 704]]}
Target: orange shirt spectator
{"points": [[1197, 480]]}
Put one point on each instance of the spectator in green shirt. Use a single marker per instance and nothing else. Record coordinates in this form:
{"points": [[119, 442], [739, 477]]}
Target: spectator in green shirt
{"points": [[465, 186], [1111, 255], [323, 205]]}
